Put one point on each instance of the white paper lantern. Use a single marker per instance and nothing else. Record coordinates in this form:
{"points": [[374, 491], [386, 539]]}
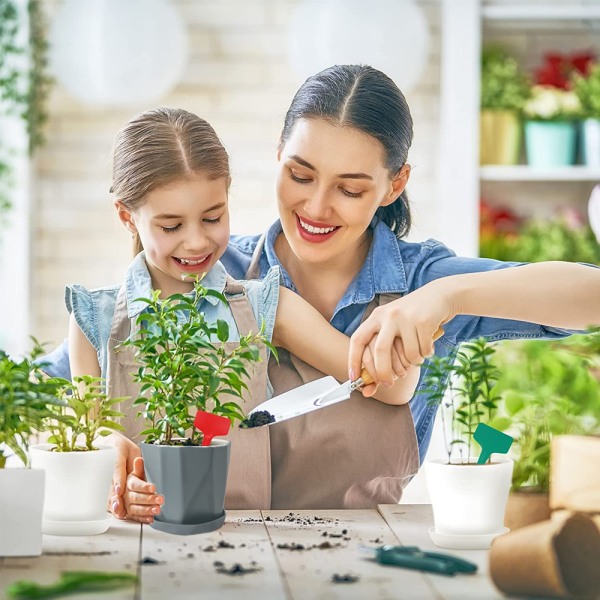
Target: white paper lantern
{"points": [[118, 52], [390, 35]]}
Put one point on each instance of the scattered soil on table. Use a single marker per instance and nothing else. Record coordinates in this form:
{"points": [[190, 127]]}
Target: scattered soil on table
{"points": [[301, 547], [224, 544], [257, 419], [347, 578], [148, 560], [100, 553], [237, 569]]}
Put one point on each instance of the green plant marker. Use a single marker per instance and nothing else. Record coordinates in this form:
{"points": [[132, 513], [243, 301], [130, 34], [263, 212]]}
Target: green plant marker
{"points": [[491, 441]]}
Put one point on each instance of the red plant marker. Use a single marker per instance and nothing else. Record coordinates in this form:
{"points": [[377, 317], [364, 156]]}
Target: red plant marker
{"points": [[211, 425]]}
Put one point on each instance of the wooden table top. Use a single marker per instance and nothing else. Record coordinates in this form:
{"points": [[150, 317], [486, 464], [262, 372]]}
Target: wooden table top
{"points": [[265, 543]]}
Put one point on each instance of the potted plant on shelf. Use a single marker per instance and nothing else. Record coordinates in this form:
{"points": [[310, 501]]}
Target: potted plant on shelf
{"points": [[190, 376], [551, 116], [468, 499], [504, 90], [587, 88], [547, 389], [78, 470], [25, 397]]}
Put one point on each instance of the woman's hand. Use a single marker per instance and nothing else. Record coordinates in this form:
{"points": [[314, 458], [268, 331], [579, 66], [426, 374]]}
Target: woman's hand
{"points": [[131, 496], [400, 334]]}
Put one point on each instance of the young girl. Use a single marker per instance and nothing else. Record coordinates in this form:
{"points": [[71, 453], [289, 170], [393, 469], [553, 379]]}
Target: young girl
{"points": [[171, 180]]}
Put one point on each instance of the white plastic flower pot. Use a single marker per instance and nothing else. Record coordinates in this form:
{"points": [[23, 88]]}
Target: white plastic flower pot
{"points": [[77, 487], [21, 504], [468, 501]]}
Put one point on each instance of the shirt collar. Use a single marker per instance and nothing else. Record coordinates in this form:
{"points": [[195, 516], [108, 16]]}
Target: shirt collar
{"points": [[382, 272], [138, 284]]}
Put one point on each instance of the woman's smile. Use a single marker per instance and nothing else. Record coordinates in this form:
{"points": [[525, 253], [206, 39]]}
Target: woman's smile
{"points": [[314, 232]]}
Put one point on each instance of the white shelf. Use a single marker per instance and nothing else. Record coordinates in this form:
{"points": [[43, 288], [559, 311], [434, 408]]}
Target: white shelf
{"points": [[539, 12], [527, 173]]}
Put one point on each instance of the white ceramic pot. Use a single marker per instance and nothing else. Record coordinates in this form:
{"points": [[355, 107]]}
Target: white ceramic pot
{"points": [[590, 142], [21, 504], [468, 501], [77, 487]]}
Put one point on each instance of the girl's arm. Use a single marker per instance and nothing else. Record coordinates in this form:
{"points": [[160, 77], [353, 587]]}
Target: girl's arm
{"points": [[554, 294], [82, 355], [302, 330]]}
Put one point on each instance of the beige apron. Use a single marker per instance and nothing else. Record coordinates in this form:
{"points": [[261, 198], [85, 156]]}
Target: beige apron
{"points": [[249, 478], [355, 454]]}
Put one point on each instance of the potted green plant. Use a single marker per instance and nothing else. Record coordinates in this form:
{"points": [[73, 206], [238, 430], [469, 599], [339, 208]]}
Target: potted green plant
{"points": [[547, 389], [468, 499], [78, 469], [189, 374], [26, 395], [587, 88], [551, 116], [504, 90]]}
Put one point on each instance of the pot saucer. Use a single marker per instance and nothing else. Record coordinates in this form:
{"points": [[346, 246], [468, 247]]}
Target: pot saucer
{"points": [[76, 527], [464, 542], [189, 529]]}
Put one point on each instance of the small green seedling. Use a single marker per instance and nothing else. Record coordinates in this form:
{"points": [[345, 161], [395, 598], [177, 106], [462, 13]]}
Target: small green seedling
{"points": [[491, 441]]}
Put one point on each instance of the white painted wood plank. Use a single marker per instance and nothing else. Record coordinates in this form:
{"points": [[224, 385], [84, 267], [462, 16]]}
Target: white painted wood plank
{"points": [[527, 173], [187, 569], [539, 12], [308, 573], [115, 550], [411, 523]]}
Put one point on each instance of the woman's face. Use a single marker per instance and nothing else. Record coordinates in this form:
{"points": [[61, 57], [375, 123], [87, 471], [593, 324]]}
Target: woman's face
{"points": [[331, 181], [184, 228]]}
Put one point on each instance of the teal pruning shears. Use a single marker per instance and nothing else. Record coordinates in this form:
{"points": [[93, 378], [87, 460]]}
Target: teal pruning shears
{"points": [[412, 557]]}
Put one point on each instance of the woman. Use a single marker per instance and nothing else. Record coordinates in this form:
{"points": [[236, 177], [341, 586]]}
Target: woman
{"points": [[343, 211]]}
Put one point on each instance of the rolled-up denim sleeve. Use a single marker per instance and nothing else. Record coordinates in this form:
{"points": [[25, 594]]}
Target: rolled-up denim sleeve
{"points": [[264, 297], [436, 261], [56, 363]]}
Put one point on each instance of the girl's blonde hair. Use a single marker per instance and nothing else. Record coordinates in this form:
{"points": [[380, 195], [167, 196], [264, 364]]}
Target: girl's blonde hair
{"points": [[161, 146]]}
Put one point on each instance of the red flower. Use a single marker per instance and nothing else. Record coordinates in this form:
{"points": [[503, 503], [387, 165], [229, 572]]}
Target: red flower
{"points": [[557, 69]]}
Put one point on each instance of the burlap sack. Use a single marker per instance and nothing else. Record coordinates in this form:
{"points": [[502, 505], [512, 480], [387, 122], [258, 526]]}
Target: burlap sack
{"points": [[552, 559], [575, 474]]}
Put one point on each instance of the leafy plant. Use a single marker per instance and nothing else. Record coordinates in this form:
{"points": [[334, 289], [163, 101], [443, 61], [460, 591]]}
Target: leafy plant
{"points": [[183, 370], [536, 241], [587, 88], [503, 85], [26, 398], [548, 103], [464, 387], [86, 412], [547, 388]]}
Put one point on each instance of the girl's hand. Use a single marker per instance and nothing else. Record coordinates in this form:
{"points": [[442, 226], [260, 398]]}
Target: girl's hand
{"points": [[140, 499], [400, 333]]}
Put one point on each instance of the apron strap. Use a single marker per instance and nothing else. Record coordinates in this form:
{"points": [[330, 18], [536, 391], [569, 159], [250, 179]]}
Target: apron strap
{"points": [[240, 306], [122, 326], [253, 271]]}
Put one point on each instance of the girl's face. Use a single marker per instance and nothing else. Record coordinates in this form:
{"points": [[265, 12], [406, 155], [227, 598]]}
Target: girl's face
{"points": [[184, 228], [331, 181]]}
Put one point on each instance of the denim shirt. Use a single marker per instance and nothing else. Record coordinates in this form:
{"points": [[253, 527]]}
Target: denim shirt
{"points": [[94, 309], [392, 266]]}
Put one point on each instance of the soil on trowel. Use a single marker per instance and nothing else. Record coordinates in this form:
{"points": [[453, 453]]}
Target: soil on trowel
{"points": [[257, 419]]}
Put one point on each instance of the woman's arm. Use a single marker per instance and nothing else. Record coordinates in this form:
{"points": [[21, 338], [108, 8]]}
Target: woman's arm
{"points": [[555, 294], [302, 330]]}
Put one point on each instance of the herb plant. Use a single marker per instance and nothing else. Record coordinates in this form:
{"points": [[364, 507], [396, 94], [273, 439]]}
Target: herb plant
{"points": [[185, 366], [587, 88], [503, 85], [464, 387], [86, 414], [26, 398], [548, 388]]}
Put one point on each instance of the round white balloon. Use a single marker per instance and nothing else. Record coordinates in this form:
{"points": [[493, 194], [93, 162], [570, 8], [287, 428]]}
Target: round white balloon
{"points": [[390, 35], [118, 52]]}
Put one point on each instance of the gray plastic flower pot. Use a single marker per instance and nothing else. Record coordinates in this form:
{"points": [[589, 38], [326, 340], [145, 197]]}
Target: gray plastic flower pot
{"points": [[192, 479]]}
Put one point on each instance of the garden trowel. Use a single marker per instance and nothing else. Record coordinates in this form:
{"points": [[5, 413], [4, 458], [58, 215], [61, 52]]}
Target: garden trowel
{"points": [[310, 396]]}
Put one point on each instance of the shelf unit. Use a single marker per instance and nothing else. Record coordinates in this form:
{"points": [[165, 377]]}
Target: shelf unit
{"points": [[460, 175]]}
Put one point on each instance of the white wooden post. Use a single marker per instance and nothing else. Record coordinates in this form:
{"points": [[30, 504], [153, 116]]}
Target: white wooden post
{"points": [[458, 171], [15, 232]]}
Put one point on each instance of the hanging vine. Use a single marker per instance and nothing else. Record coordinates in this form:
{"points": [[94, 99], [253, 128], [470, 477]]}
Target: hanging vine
{"points": [[24, 82]]}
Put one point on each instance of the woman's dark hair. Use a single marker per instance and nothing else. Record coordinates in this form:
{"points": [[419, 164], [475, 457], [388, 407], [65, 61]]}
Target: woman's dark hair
{"points": [[366, 99]]}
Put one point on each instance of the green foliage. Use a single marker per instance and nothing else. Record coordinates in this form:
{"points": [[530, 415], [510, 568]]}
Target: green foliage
{"points": [[539, 241], [24, 90], [86, 412], [464, 387], [548, 388], [588, 91], [183, 370], [26, 398], [503, 84]]}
